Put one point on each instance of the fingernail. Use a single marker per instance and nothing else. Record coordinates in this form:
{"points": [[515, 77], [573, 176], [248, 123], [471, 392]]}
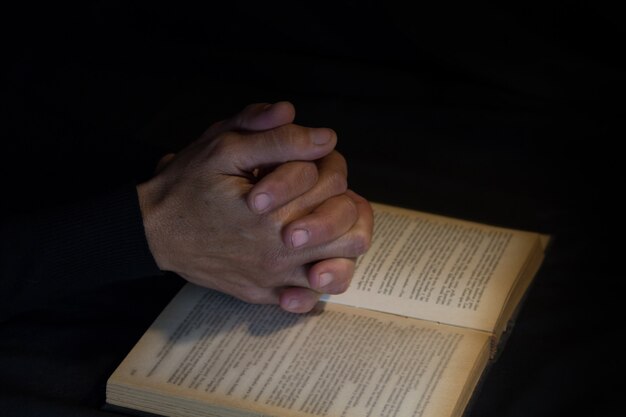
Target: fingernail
{"points": [[299, 237], [321, 136], [293, 304], [262, 201], [325, 278]]}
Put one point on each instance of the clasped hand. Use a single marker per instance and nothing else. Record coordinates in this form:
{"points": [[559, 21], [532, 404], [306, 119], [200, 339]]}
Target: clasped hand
{"points": [[258, 208]]}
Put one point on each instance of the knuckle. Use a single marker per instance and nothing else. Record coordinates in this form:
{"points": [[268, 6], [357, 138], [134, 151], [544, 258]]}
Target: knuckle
{"points": [[240, 119], [296, 179], [361, 242], [350, 207], [337, 183], [243, 119], [223, 143], [340, 160], [281, 141], [272, 264], [307, 173]]}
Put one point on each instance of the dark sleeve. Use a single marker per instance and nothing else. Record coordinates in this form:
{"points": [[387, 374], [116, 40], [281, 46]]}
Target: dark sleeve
{"points": [[73, 248]]}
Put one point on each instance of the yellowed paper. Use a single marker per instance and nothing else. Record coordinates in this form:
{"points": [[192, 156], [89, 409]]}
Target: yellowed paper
{"points": [[437, 268], [210, 349]]}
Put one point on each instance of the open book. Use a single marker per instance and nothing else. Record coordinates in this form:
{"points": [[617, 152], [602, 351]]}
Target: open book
{"points": [[426, 310]]}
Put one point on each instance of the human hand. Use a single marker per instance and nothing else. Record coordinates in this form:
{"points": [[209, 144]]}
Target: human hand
{"points": [[198, 226]]}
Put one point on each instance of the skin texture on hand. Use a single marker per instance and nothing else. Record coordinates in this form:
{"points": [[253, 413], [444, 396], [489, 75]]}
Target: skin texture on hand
{"points": [[258, 208]]}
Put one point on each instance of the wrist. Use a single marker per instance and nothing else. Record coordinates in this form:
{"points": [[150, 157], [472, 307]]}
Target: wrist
{"points": [[153, 228]]}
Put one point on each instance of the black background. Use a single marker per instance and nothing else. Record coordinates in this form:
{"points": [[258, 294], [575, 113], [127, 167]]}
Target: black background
{"points": [[511, 115]]}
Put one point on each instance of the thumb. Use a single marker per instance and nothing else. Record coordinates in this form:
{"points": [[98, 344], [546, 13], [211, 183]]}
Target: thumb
{"points": [[283, 144], [256, 117], [264, 116]]}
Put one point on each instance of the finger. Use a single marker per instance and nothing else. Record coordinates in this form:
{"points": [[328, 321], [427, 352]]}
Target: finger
{"points": [[292, 294], [330, 266], [352, 244], [333, 218], [282, 185], [256, 117], [276, 146], [332, 276], [332, 181], [298, 299], [263, 116], [359, 238]]}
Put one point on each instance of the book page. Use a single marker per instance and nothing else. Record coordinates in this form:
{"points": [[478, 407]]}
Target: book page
{"points": [[218, 352], [438, 268]]}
